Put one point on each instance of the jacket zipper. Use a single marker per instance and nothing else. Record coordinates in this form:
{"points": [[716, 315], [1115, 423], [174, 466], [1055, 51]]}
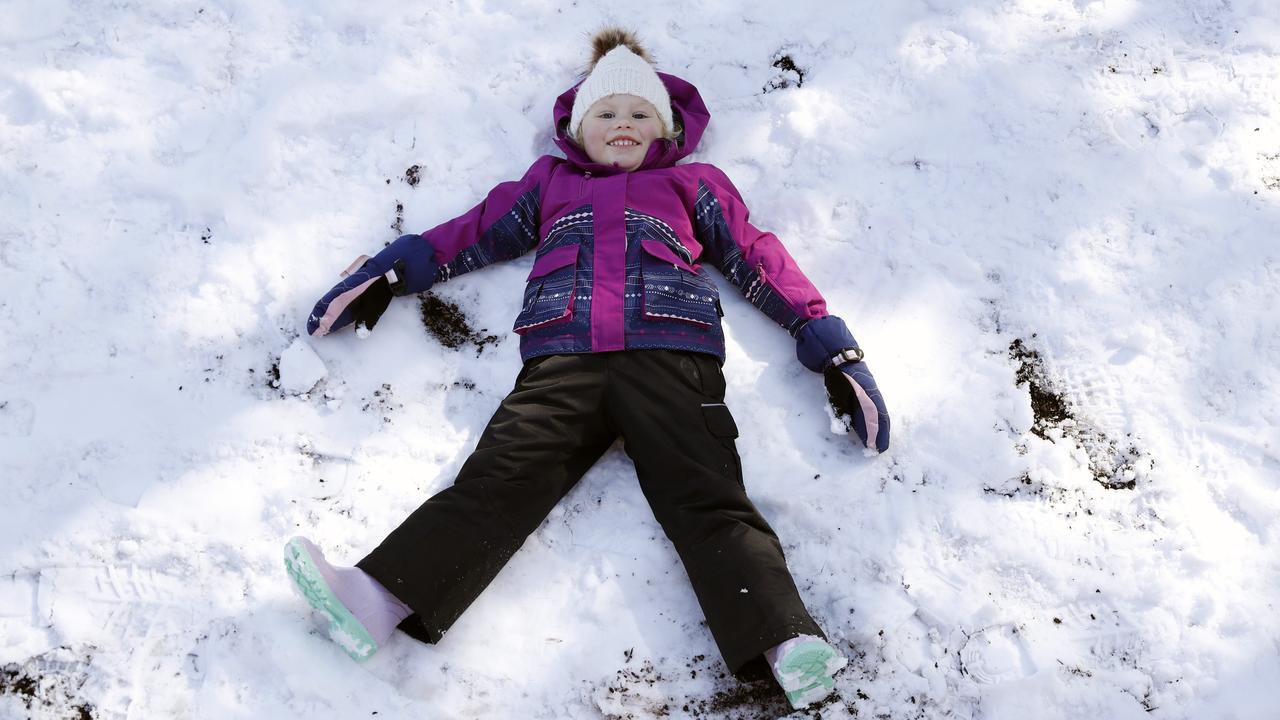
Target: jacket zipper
{"points": [[764, 278]]}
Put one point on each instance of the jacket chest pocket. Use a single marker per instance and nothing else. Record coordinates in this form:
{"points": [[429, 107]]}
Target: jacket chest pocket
{"points": [[548, 296], [673, 290]]}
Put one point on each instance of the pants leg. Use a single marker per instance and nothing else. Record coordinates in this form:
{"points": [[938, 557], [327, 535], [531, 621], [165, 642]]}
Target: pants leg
{"points": [[543, 438], [669, 408]]}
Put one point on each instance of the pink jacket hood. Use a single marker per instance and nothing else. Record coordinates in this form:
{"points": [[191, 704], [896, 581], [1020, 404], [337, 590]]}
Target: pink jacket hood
{"points": [[686, 107]]}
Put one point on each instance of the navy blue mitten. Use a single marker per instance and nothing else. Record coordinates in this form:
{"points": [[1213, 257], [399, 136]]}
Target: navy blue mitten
{"points": [[405, 266], [825, 345]]}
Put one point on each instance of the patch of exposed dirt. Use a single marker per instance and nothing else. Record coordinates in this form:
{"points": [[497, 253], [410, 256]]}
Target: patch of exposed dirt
{"points": [[398, 225], [49, 684], [646, 690], [382, 403], [447, 323], [1113, 462], [791, 74]]}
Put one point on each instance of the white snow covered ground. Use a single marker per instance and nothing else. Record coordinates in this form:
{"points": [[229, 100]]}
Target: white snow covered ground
{"points": [[1052, 224]]}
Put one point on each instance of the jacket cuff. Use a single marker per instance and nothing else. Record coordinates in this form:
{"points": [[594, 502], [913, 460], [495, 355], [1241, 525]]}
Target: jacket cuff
{"points": [[820, 339]]}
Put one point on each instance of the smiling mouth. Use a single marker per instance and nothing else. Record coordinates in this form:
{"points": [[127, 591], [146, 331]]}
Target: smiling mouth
{"points": [[622, 143]]}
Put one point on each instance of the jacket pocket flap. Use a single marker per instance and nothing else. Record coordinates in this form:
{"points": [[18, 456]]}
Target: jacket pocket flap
{"points": [[660, 250], [554, 260]]}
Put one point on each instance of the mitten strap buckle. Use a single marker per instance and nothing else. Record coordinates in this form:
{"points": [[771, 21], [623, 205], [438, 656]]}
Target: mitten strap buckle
{"points": [[847, 355], [395, 277]]}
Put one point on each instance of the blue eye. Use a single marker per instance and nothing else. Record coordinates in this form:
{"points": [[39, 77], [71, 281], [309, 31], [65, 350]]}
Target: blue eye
{"points": [[606, 115], [639, 116]]}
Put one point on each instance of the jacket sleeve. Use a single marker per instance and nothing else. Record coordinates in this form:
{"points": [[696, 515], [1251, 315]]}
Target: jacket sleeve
{"points": [[753, 260], [503, 226]]}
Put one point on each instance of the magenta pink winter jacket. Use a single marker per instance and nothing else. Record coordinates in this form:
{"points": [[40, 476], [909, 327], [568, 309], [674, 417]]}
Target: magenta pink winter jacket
{"points": [[621, 255]]}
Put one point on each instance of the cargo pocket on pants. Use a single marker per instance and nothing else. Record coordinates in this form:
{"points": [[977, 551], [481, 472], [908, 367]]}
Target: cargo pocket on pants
{"points": [[721, 425]]}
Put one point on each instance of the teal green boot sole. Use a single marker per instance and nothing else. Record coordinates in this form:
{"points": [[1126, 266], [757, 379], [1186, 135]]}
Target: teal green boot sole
{"points": [[806, 672], [344, 628]]}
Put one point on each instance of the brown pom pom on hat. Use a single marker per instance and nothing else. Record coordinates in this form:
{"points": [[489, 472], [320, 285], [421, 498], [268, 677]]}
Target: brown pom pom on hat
{"points": [[612, 37]]}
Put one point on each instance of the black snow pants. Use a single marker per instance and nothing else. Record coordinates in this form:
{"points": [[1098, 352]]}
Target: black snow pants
{"points": [[564, 412]]}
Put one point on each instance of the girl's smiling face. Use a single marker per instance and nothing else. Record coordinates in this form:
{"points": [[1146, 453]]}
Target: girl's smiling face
{"points": [[618, 130]]}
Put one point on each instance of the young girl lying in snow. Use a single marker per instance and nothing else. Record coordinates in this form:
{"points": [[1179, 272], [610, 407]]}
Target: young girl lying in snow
{"points": [[620, 336]]}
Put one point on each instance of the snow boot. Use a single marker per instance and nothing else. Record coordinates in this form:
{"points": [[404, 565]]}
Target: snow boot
{"points": [[361, 613], [804, 666]]}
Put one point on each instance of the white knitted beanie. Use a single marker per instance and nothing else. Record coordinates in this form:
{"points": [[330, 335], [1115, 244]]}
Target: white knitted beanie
{"points": [[621, 71]]}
